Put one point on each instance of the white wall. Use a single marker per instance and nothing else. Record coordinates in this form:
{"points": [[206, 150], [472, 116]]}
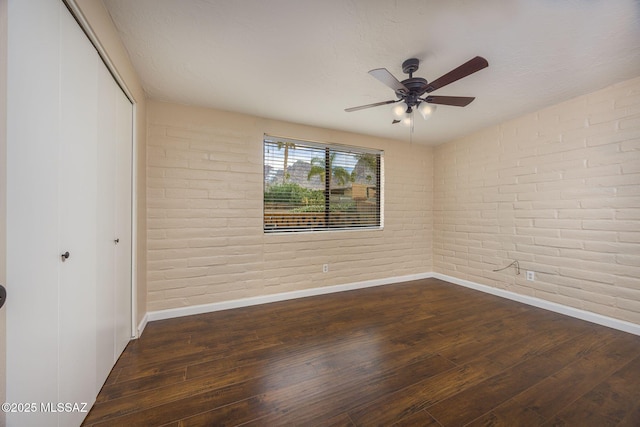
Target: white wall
{"points": [[558, 190], [205, 232]]}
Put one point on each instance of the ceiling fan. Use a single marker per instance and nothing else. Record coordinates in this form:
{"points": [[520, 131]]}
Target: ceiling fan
{"points": [[413, 92]]}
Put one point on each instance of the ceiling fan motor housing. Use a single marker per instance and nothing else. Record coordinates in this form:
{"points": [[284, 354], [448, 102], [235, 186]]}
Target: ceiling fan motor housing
{"points": [[417, 87]]}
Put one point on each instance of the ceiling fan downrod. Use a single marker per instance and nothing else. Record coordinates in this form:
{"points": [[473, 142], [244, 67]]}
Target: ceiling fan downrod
{"points": [[410, 66]]}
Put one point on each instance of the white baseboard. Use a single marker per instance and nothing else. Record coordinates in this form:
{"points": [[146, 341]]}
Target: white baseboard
{"points": [[547, 305], [142, 325], [265, 299]]}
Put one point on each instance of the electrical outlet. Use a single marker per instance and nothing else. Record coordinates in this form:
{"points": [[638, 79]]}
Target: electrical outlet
{"points": [[325, 268], [531, 276]]}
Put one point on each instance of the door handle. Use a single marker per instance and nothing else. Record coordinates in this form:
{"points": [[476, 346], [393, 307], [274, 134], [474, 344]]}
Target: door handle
{"points": [[65, 256], [116, 241], [3, 295]]}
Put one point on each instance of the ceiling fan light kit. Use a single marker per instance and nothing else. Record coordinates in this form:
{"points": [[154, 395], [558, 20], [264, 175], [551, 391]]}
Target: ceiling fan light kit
{"points": [[426, 110], [401, 112], [406, 121], [398, 111], [411, 92]]}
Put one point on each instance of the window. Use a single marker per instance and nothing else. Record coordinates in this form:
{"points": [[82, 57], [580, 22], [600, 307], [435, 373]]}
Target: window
{"points": [[315, 186]]}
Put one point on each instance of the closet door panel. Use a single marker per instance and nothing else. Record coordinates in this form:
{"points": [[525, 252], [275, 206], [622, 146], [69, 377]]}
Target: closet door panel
{"points": [[123, 177], [106, 246], [78, 216], [32, 199], [69, 130]]}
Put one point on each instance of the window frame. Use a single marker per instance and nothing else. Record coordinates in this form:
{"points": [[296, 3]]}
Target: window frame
{"points": [[330, 223]]}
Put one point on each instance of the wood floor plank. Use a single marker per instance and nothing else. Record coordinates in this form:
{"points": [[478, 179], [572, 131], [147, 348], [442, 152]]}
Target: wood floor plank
{"points": [[573, 381], [631, 418], [420, 418], [613, 400], [509, 416], [471, 403], [278, 397], [418, 353], [122, 389], [395, 407], [338, 391], [500, 355], [491, 393], [348, 394], [222, 390]]}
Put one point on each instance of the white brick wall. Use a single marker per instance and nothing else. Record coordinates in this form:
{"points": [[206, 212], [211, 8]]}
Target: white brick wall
{"points": [[558, 190], [204, 198]]}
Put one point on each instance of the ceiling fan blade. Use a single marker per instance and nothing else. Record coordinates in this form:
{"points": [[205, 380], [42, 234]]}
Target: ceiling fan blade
{"points": [[456, 101], [388, 79], [362, 107], [469, 67]]}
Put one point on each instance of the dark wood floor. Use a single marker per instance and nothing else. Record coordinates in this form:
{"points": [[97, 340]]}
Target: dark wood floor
{"points": [[423, 353]]}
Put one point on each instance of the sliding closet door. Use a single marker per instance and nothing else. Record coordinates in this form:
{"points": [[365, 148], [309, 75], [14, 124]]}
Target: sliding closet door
{"points": [[78, 217], [106, 246], [33, 128], [69, 139], [113, 303], [123, 221]]}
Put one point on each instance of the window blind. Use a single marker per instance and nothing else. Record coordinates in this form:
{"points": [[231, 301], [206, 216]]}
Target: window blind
{"points": [[316, 186]]}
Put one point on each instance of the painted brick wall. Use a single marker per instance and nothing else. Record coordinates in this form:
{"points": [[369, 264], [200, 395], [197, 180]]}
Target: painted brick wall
{"points": [[204, 197], [558, 190]]}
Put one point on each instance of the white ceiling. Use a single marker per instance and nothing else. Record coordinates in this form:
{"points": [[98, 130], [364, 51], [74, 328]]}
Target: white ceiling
{"points": [[304, 61]]}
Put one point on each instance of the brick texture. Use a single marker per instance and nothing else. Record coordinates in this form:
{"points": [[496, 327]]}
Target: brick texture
{"points": [[204, 213], [559, 191]]}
